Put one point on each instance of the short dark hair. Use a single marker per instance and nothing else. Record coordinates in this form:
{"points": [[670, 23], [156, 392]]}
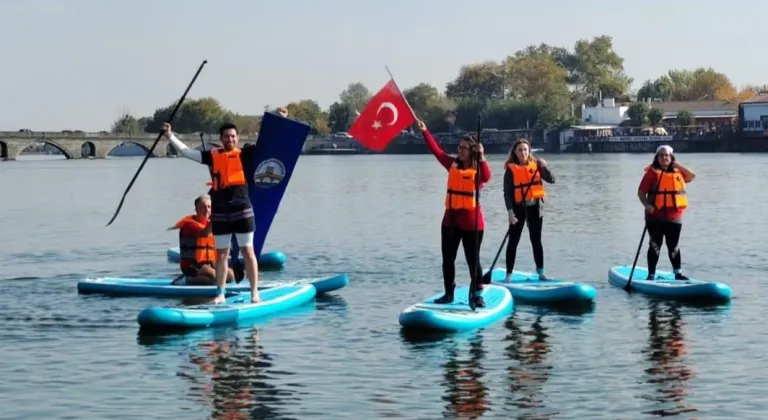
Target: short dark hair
{"points": [[201, 198], [227, 126]]}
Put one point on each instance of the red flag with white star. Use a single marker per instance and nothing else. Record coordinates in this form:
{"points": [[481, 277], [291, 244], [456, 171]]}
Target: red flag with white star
{"points": [[385, 116]]}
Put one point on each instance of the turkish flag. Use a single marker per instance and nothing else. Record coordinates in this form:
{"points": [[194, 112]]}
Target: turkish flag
{"points": [[385, 116]]}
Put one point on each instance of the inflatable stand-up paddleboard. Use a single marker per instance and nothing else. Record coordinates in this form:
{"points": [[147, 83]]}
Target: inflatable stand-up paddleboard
{"points": [[164, 287], [665, 285], [458, 316], [528, 287], [271, 260], [237, 309]]}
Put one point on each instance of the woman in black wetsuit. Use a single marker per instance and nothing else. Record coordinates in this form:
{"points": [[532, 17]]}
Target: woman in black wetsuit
{"points": [[523, 173]]}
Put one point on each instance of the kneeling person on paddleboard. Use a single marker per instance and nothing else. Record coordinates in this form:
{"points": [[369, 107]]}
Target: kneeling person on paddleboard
{"points": [[196, 245], [463, 221], [524, 199], [231, 210], [662, 193]]}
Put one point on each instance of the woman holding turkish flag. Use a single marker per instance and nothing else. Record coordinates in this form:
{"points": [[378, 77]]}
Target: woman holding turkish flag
{"points": [[458, 224]]}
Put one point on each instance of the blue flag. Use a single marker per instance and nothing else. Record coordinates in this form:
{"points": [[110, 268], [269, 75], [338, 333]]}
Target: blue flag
{"points": [[269, 170]]}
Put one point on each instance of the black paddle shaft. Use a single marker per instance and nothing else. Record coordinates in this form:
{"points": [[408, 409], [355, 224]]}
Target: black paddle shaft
{"points": [[151, 149], [474, 279], [487, 276], [627, 287]]}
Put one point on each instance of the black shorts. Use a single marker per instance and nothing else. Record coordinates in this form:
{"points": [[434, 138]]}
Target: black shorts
{"points": [[234, 226], [232, 217]]}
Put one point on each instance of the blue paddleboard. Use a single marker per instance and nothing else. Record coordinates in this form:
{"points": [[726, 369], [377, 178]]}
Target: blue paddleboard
{"points": [[528, 287], [457, 316], [665, 285], [237, 309], [267, 261], [162, 287]]}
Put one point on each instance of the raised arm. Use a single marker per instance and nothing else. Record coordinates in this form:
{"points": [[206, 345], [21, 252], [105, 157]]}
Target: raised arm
{"points": [[688, 175], [442, 157], [191, 154]]}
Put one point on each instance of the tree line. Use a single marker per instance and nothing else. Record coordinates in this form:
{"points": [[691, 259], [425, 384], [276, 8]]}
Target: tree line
{"points": [[540, 86]]}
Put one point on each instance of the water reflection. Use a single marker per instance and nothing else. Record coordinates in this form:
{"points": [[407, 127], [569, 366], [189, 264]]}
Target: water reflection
{"points": [[669, 373], [527, 378], [232, 376], [462, 378]]}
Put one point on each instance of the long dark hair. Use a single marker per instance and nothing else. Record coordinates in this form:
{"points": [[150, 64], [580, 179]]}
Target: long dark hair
{"points": [[473, 142], [655, 164], [512, 157]]}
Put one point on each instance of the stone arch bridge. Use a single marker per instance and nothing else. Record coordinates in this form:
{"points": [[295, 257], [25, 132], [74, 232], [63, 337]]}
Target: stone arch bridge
{"points": [[78, 145]]}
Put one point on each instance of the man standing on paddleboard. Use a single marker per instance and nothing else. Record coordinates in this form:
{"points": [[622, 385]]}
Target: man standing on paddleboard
{"points": [[231, 210]]}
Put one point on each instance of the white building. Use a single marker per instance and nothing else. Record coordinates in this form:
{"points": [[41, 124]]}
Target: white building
{"points": [[606, 113], [753, 114]]}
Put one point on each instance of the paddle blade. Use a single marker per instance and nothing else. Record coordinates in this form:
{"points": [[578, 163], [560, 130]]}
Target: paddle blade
{"points": [[487, 278]]}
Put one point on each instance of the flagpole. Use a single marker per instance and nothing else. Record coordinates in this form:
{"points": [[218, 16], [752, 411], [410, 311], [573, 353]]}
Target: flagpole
{"points": [[401, 93]]}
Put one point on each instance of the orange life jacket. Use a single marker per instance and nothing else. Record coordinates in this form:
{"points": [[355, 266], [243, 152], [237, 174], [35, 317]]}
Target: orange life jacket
{"points": [[227, 168], [523, 177], [200, 249], [461, 188], [670, 190]]}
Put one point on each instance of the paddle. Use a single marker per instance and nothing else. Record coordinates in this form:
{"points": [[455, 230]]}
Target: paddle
{"points": [[151, 149], [487, 276], [627, 287], [473, 280]]}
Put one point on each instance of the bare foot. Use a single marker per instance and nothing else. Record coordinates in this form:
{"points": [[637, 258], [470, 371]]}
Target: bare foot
{"points": [[255, 299], [219, 299]]}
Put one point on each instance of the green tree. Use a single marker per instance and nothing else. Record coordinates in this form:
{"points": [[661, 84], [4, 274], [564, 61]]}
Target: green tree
{"points": [[195, 115], [597, 67], [247, 125], [127, 124], [355, 96], [478, 81], [685, 118], [638, 113], [340, 117], [655, 117], [309, 111]]}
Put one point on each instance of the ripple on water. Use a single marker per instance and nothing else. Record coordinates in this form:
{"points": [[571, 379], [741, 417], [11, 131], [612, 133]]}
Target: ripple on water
{"points": [[82, 357]]}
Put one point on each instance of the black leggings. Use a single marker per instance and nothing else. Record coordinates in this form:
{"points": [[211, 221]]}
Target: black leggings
{"points": [[450, 239], [658, 230], [532, 215]]}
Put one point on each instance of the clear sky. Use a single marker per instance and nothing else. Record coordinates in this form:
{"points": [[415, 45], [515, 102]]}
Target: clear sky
{"points": [[78, 64]]}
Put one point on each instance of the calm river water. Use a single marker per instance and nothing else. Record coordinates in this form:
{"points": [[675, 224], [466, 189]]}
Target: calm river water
{"points": [[66, 356]]}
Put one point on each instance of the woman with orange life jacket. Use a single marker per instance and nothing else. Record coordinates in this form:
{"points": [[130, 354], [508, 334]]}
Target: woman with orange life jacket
{"points": [[662, 193], [461, 210], [198, 252], [523, 174], [231, 210]]}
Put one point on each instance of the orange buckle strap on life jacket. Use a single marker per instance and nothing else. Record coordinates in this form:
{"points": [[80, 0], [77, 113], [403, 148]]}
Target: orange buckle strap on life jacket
{"points": [[461, 190], [227, 169], [527, 179], [669, 191], [200, 249]]}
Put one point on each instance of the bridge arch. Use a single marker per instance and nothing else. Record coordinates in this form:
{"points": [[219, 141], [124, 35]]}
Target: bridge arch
{"points": [[3, 150], [88, 149], [124, 143], [55, 145]]}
